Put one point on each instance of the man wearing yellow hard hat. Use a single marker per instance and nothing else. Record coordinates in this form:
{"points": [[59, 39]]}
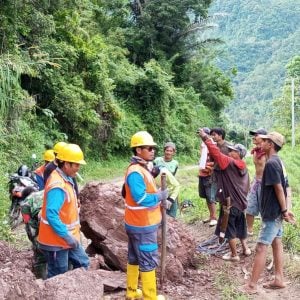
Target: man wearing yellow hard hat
{"points": [[142, 219], [53, 164], [48, 156], [59, 230]]}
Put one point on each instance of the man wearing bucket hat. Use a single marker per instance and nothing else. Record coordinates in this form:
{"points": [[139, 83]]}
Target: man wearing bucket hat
{"points": [[167, 161], [274, 209], [59, 229]]}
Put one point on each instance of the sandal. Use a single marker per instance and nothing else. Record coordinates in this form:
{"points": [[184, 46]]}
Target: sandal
{"points": [[228, 257], [247, 252]]}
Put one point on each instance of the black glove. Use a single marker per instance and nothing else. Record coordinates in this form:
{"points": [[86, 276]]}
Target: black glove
{"points": [[71, 241], [162, 194]]}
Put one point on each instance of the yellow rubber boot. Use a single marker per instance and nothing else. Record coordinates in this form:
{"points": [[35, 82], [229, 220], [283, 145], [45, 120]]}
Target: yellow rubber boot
{"points": [[132, 292], [149, 286]]}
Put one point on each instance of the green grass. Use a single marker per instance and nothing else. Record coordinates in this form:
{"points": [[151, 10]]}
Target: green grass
{"points": [[97, 170], [226, 283]]}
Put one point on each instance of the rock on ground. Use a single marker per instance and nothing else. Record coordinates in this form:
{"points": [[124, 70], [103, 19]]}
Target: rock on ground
{"points": [[18, 282], [102, 221]]}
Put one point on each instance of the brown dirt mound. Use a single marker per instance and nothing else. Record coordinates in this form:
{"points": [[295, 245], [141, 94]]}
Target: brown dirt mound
{"points": [[102, 221]]}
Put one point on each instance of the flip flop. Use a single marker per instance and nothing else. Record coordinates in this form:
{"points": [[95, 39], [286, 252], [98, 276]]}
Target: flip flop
{"points": [[272, 286]]}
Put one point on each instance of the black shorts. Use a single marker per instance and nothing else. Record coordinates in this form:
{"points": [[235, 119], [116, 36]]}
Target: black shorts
{"points": [[237, 226]]}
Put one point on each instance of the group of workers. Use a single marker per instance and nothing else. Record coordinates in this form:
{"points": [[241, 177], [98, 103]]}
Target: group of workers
{"points": [[224, 177], [58, 225]]}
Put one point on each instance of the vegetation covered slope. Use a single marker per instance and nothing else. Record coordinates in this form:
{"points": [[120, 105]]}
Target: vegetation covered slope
{"points": [[95, 72], [261, 37]]}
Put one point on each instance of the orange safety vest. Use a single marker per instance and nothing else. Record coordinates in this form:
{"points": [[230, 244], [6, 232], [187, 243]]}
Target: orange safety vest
{"points": [[40, 170], [69, 214], [136, 214]]}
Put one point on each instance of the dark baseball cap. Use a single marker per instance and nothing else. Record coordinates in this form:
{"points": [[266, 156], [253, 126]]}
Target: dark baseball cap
{"points": [[206, 130], [239, 148], [258, 131]]}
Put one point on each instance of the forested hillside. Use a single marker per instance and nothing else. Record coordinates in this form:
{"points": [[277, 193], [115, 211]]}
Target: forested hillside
{"points": [[261, 38], [95, 72]]}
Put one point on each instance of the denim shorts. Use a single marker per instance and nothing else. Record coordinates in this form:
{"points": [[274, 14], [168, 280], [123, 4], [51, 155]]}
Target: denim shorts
{"points": [[270, 230], [207, 188], [253, 198]]}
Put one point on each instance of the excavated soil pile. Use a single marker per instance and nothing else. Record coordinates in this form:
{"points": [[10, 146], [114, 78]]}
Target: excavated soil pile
{"points": [[102, 221], [16, 279], [18, 282]]}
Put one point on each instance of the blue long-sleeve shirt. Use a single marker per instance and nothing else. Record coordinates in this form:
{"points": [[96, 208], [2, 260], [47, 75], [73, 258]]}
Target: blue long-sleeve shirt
{"points": [[40, 181]]}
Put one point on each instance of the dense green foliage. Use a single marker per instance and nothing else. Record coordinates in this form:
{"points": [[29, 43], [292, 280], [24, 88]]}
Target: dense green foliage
{"points": [[94, 72], [282, 111], [261, 37]]}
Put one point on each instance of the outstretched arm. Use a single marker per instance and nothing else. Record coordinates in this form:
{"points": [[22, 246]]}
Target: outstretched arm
{"points": [[221, 159]]}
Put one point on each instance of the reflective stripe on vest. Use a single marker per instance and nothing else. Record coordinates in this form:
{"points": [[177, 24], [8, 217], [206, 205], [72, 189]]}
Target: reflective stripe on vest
{"points": [[69, 226]]}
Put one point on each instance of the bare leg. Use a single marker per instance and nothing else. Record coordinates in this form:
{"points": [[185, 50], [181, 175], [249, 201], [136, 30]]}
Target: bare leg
{"points": [[258, 265], [212, 211], [232, 245], [245, 246], [250, 222], [278, 263]]}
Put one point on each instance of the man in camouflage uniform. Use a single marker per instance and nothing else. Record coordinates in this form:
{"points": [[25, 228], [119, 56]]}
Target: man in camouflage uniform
{"points": [[31, 207]]}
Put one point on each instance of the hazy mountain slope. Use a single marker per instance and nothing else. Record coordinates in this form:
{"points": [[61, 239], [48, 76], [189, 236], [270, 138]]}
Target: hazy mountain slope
{"points": [[261, 37]]}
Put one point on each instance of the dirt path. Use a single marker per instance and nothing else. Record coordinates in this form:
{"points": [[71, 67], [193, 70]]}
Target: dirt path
{"points": [[120, 180], [229, 277]]}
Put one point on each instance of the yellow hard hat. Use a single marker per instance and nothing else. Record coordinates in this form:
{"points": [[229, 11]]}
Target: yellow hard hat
{"points": [[49, 155], [71, 153], [142, 138], [58, 146]]}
